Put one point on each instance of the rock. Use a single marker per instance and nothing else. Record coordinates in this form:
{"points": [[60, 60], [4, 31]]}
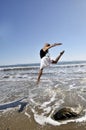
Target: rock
{"points": [[67, 113]]}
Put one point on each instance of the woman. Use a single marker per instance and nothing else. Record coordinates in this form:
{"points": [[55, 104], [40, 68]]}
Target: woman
{"points": [[45, 59]]}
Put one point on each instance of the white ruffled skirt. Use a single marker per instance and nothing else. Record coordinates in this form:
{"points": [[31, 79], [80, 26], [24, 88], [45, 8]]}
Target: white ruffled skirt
{"points": [[45, 61]]}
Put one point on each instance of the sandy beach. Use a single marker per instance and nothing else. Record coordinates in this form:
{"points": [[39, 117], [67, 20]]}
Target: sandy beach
{"points": [[25, 106], [13, 120]]}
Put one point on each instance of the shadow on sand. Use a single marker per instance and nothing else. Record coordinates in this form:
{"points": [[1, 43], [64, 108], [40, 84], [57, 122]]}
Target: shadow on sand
{"points": [[14, 104]]}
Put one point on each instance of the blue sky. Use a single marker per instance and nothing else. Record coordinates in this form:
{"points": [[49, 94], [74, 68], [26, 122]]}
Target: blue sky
{"points": [[25, 25]]}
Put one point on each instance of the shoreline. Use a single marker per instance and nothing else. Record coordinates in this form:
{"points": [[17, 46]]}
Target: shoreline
{"points": [[38, 64], [23, 104], [13, 120]]}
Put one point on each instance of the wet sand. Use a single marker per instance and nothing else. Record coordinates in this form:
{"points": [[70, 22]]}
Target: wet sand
{"points": [[13, 120], [62, 85]]}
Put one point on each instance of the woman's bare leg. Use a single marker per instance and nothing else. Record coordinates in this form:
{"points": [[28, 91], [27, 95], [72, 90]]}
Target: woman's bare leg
{"points": [[39, 75], [57, 59]]}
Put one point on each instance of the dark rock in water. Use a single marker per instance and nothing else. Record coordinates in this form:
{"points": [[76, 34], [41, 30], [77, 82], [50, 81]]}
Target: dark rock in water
{"points": [[67, 113], [64, 113]]}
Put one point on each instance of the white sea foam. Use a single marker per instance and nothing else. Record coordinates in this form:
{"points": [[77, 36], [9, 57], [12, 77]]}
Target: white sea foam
{"points": [[50, 101], [60, 85], [28, 115], [43, 120]]}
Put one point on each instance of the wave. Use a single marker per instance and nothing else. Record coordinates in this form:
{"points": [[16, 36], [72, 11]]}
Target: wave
{"points": [[55, 99], [36, 66], [18, 69]]}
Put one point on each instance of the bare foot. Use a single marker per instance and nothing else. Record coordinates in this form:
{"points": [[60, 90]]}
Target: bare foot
{"points": [[61, 53], [37, 82]]}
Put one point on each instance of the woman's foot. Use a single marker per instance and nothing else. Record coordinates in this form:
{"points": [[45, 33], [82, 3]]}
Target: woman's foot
{"points": [[61, 53]]}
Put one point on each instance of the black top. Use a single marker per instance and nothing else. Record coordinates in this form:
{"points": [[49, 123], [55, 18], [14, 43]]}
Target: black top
{"points": [[43, 53]]}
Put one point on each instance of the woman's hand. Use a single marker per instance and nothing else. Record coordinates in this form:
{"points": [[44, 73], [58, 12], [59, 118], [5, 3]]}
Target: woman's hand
{"points": [[56, 44]]}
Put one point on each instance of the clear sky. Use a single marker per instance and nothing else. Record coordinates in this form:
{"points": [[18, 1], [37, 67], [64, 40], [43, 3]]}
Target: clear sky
{"points": [[25, 25]]}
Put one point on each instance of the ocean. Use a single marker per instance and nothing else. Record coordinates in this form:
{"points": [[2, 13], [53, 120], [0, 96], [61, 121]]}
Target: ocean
{"points": [[61, 85]]}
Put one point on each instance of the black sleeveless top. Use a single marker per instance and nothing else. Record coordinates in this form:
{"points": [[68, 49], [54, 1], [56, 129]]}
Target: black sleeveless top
{"points": [[43, 53]]}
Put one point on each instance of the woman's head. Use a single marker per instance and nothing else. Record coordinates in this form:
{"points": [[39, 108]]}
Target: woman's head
{"points": [[47, 44]]}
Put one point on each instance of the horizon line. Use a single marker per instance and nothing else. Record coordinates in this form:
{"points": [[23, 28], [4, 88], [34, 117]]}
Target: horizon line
{"points": [[17, 64]]}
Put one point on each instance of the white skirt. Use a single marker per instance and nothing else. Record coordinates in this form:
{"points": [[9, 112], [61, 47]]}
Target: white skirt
{"points": [[45, 61]]}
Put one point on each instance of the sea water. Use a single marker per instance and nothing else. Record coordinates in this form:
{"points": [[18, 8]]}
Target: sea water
{"points": [[61, 85]]}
